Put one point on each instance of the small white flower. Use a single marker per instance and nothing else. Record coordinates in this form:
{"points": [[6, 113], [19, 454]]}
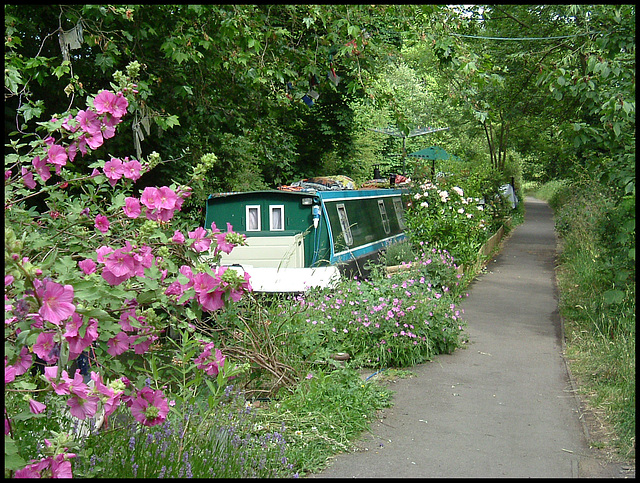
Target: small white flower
{"points": [[424, 204], [460, 210]]}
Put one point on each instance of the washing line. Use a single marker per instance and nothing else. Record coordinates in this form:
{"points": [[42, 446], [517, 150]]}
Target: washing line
{"points": [[525, 38]]}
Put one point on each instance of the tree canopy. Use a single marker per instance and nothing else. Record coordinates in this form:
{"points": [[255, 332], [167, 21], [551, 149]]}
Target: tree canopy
{"points": [[279, 92]]}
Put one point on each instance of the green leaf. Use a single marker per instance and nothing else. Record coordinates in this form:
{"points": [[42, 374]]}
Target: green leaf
{"points": [[28, 415], [12, 79], [30, 111], [94, 313], [12, 461], [27, 386], [613, 296], [616, 128], [105, 62], [62, 69], [86, 291], [146, 297]]}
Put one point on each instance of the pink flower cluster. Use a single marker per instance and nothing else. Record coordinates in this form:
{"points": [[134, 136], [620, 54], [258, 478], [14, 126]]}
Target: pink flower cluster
{"points": [[209, 361], [140, 336], [209, 289], [57, 466], [95, 125], [225, 241], [123, 263], [149, 407], [84, 399], [116, 169], [160, 203]]}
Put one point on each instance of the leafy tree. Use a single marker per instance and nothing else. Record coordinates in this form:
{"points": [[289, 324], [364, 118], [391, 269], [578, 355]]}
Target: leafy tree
{"points": [[492, 58], [227, 79]]}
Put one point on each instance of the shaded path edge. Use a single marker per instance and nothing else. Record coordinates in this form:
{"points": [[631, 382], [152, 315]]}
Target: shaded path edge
{"points": [[601, 464]]}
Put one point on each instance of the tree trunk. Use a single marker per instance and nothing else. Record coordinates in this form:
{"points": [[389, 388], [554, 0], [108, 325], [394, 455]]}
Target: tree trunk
{"points": [[489, 134]]}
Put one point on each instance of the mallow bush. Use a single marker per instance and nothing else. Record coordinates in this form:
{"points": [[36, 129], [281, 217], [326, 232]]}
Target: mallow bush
{"points": [[95, 273]]}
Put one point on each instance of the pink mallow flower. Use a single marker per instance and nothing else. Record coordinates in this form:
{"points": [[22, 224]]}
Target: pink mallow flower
{"points": [[27, 178], [200, 241], [150, 197], [9, 372], [149, 407], [132, 207], [40, 165], [83, 408], [102, 223], [78, 344], [76, 386], [44, 346], [118, 345], [56, 302], [87, 266], [108, 102], [36, 407], [227, 241], [58, 466], [89, 122], [210, 362], [113, 170], [109, 395], [121, 263], [208, 291], [132, 169], [168, 198], [24, 361], [57, 156], [178, 237], [60, 387]]}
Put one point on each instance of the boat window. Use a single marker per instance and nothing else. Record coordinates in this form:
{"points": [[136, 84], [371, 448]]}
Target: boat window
{"points": [[397, 205], [276, 218], [383, 215], [253, 218], [344, 223]]}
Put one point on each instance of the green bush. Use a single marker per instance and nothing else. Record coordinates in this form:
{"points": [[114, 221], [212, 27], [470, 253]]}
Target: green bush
{"points": [[398, 253], [397, 320]]}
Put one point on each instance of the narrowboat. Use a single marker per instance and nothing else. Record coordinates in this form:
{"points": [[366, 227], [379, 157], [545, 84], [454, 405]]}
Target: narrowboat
{"points": [[300, 239]]}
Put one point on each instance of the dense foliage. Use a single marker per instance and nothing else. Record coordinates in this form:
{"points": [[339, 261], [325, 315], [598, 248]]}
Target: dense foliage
{"points": [[120, 120]]}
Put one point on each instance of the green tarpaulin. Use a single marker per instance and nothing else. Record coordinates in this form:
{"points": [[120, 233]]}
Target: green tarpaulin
{"points": [[434, 153]]}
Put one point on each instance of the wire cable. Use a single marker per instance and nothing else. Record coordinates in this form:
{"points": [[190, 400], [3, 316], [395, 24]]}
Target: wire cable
{"points": [[524, 38]]}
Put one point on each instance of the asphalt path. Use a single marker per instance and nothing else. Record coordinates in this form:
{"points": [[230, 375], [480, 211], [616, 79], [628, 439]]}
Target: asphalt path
{"points": [[502, 406]]}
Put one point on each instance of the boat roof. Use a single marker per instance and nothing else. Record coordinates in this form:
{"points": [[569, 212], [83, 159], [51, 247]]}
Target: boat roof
{"points": [[328, 194]]}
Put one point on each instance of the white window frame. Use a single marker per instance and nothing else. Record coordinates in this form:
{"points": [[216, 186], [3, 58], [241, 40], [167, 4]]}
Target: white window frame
{"points": [[274, 209], [250, 226], [344, 223], [384, 217]]}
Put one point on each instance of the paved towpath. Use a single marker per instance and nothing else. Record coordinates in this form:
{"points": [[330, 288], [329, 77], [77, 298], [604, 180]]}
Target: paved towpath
{"points": [[503, 406]]}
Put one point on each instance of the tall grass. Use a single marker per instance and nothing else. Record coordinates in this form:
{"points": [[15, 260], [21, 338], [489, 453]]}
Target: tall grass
{"points": [[600, 332]]}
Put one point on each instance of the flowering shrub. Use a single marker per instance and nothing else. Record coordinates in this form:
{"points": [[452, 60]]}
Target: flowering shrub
{"points": [[397, 320], [441, 216], [94, 274]]}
